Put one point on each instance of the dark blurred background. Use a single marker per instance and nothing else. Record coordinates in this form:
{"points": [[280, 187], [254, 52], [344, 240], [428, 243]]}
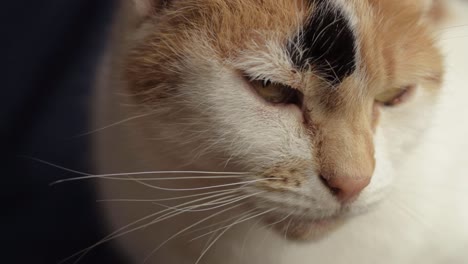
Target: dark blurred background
{"points": [[49, 54]]}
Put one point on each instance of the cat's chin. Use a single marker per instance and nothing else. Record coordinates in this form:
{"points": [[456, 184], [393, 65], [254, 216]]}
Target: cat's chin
{"points": [[306, 230]]}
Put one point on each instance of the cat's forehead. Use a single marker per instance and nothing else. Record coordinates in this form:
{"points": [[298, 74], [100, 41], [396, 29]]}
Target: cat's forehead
{"points": [[363, 43], [332, 38], [326, 41]]}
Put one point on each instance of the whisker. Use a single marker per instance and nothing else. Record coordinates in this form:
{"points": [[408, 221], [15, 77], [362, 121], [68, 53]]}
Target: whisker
{"points": [[207, 187], [187, 228], [270, 225], [233, 200], [85, 175], [119, 232], [279, 221], [218, 201], [173, 198], [114, 176], [239, 218], [115, 124], [225, 230], [209, 240], [201, 221], [226, 220], [166, 216], [162, 199], [287, 228]]}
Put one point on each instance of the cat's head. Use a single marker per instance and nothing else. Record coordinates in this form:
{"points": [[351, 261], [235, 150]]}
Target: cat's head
{"points": [[319, 97]]}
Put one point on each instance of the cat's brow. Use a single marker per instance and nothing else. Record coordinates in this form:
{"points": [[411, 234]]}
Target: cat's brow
{"points": [[326, 43]]}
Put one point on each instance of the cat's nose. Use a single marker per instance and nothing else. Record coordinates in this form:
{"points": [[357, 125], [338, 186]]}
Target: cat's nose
{"points": [[346, 189]]}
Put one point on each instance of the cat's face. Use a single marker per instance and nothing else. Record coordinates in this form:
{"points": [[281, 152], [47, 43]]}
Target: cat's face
{"points": [[320, 97]]}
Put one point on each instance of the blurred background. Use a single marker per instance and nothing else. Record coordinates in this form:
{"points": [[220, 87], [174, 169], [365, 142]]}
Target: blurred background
{"points": [[49, 52]]}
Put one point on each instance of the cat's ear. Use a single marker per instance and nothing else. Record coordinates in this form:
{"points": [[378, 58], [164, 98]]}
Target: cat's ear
{"points": [[146, 8]]}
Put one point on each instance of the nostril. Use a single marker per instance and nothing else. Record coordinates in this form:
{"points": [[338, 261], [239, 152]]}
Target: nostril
{"points": [[326, 182], [346, 189]]}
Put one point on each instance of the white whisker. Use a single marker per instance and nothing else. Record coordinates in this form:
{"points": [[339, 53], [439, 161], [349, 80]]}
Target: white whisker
{"points": [[223, 203], [238, 221], [115, 124], [210, 174], [162, 199], [115, 176], [187, 228], [218, 201], [207, 187], [262, 242], [120, 232], [226, 220], [166, 216], [287, 228], [225, 230], [279, 221]]}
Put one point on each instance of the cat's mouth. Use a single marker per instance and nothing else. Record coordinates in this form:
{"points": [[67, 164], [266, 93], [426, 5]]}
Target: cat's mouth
{"points": [[298, 228]]}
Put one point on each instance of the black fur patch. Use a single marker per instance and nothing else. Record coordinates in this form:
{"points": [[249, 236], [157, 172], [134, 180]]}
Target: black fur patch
{"points": [[328, 44]]}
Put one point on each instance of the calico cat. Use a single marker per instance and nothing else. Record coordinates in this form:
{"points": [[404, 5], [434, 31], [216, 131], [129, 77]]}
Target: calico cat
{"points": [[279, 131]]}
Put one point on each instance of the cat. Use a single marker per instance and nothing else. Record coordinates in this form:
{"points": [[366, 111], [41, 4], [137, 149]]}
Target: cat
{"points": [[281, 131]]}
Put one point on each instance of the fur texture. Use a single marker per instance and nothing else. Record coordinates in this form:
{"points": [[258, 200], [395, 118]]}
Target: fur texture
{"points": [[185, 83]]}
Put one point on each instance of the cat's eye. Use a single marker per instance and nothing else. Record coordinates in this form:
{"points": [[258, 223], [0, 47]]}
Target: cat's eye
{"points": [[395, 96], [277, 93]]}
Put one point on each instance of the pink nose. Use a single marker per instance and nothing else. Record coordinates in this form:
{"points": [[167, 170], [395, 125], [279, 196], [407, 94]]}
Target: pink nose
{"points": [[346, 189]]}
